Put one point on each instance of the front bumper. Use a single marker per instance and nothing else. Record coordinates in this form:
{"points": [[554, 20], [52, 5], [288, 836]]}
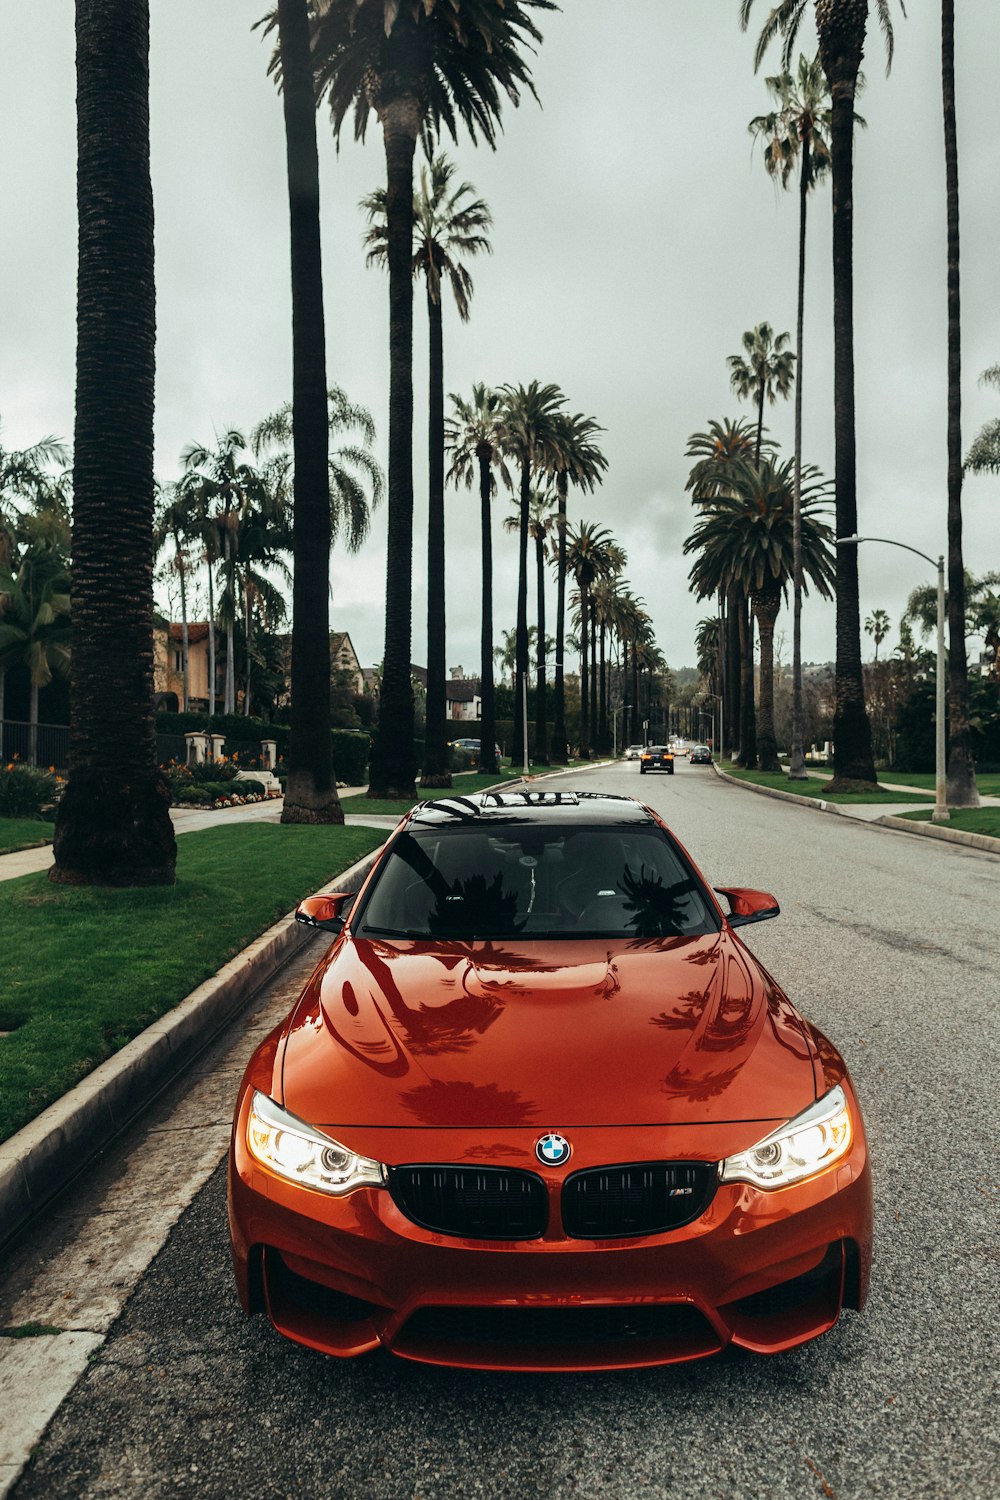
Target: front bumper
{"points": [[765, 1271]]}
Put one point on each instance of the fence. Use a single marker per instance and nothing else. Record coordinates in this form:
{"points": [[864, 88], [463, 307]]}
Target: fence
{"points": [[48, 745]]}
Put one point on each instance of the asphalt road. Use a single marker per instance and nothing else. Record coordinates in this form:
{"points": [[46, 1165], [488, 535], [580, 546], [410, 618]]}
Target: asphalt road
{"points": [[890, 944]]}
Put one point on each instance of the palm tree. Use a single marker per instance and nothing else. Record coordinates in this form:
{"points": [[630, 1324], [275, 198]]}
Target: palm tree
{"points": [[745, 538], [579, 460], [230, 488], [24, 476], [475, 436], [877, 626], [34, 625], [841, 26], [715, 451], [542, 521], [983, 456], [591, 554], [311, 787], [113, 825], [764, 371], [447, 226], [962, 790], [173, 519], [797, 131], [420, 65], [530, 418]]}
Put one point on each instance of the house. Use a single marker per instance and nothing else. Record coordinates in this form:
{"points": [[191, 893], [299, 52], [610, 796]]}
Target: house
{"points": [[463, 696], [168, 662]]}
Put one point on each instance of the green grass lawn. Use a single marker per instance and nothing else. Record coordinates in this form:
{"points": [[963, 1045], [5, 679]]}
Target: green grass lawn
{"points": [[83, 970], [465, 783], [988, 782], [967, 820], [23, 833], [812, 788]]}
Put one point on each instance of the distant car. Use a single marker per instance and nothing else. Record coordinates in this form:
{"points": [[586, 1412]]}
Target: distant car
{"points": [[700, 755], [633, 752], [657, 758], [471, 747], [539, 1108]]}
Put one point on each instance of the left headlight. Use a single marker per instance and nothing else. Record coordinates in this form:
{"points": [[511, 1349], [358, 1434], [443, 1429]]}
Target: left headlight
{"points": [[300, 1154], [810, 1143]]}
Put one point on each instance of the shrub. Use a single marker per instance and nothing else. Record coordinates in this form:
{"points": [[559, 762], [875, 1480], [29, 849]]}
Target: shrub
{"points": [[27, 791], [214, 771], [350, 756], [247, 787], [192, 796]]}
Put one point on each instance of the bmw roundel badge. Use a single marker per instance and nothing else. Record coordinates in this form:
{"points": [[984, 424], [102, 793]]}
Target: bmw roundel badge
{"points": [[552, 1150]]}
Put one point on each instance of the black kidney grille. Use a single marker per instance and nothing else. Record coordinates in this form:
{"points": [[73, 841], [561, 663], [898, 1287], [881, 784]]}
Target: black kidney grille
{"points": [[646, 1197], [479, 1203], [556, 1325]]}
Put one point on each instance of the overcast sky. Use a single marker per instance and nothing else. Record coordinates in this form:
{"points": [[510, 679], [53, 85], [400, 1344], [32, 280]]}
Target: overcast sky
{"points": [[636, 237]]}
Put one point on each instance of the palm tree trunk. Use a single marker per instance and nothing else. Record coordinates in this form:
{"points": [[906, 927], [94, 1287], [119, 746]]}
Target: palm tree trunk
{"points": [[113, 825], [734, 672], [584, 678], [602, 713], [33, 724], [487, 716], [797, 767], [436, 769], [521, 629], [635, 693], [211, 643], [311, 787], [560, 749], [962, 790], [392, 767], [760, 423], [229, 700], [626, 723], [185, 642], [248, 610], [541, 732], [840, 49], [766, 610], [747, 756]]}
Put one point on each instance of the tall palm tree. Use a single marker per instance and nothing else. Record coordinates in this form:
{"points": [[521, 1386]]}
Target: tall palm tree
{"points": [[962, 790], [448, 225], [542, 521], [877, 626], [745, 538], [797, 131], [231, 488], [420, 65], [715, 451], [475, 437], [113, 825], [591, 554], [578, 460], [841, 26], [311, 787], [764, 371], [530, 417]]}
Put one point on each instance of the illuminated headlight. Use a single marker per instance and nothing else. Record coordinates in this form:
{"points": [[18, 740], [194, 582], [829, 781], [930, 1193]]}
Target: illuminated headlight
{"points": [[810, 1143], [297, 1152]]}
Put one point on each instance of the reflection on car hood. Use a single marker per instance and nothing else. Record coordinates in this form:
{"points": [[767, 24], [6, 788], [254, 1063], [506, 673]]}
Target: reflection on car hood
{"points": [[491, 1035]]}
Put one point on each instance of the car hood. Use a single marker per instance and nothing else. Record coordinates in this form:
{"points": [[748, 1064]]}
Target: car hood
{"points": [[483, 1035]]}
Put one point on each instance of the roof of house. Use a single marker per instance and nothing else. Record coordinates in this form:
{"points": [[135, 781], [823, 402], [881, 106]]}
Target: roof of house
{"points": [[197, 631]]}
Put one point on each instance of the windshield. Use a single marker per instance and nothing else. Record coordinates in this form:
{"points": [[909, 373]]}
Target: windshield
{"points": [[521, 881]]}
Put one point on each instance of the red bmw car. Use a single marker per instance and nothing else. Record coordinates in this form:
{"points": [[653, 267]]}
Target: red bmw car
{"points": [[539, 1108]]}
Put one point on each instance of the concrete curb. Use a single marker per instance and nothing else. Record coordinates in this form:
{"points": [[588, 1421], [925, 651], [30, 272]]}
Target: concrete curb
{"points": [[817, 804], [38, 1161], [935, 831], [888, 821]]}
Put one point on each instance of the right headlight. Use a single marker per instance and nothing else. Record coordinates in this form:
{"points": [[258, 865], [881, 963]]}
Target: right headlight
{"points": [[306, 1156], [813, 1141]]}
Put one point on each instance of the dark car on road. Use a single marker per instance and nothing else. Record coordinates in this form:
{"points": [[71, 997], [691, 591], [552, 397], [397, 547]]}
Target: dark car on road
{"points": [[657, 758], [701, 755]]}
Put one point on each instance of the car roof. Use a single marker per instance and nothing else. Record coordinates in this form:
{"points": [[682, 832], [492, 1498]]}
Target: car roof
{"points": [[527, 807]]}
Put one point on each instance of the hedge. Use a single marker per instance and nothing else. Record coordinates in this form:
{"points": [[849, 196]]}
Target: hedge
{"points": [[350, 746]]}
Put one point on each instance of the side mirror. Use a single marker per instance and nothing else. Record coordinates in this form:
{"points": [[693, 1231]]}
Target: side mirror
{"points": [[746, 906], [323, 911]]}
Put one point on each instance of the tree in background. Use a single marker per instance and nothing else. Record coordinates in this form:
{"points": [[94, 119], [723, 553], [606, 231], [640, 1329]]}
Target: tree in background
{"points": [[35, 625], [877, 626], [841, 26], [531, 421], [113, 824], [796, 131], [448, 225], [542, 521], [764, 371], [420, 65], [475, 436], [745, 538]]}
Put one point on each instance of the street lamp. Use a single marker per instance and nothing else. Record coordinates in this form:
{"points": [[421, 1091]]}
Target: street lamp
{"points": [[940, 813], [716, 698]]}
